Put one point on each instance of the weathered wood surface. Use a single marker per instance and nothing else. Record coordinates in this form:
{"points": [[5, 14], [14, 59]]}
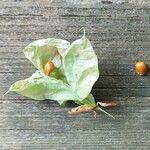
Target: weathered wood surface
{"points": [[120, 35]]}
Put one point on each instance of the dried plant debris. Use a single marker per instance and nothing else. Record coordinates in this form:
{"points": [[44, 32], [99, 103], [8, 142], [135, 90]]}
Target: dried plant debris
{"points": [[65, 71], [92, 108]]}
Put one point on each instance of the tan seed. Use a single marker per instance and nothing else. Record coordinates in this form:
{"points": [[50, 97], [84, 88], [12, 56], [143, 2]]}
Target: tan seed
{"points": [[49, 68], [141, 68]]}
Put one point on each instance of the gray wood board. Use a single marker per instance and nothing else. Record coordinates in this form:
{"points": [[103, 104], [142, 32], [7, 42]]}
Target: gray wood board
{"points": [[120, 34]]}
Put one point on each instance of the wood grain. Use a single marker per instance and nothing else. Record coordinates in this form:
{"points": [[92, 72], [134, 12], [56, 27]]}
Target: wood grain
{"points": [[119, 31]]}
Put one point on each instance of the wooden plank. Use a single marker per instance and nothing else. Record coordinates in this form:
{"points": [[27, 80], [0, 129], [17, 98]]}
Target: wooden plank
{"points": [[20, 66], [103, 81], [100, 93], [76, 4], [31, 127], [119, 33], [105, 54]]}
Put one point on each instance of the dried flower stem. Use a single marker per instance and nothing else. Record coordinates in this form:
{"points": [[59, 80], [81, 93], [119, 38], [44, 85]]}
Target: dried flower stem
{"points": [[92, 108]]}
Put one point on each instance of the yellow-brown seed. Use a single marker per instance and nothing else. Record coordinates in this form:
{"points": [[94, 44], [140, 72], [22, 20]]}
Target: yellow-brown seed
{"points": [[49, 68], [141, 68]]}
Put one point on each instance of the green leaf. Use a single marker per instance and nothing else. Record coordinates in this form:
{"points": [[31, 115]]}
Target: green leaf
{"points": [[88, 100], [41, 51], [81, 67], [41, 87], [73, 78]]}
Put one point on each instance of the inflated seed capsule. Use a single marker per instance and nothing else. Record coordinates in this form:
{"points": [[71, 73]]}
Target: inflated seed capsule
{"points": [[49, 68], [141, 68]]}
